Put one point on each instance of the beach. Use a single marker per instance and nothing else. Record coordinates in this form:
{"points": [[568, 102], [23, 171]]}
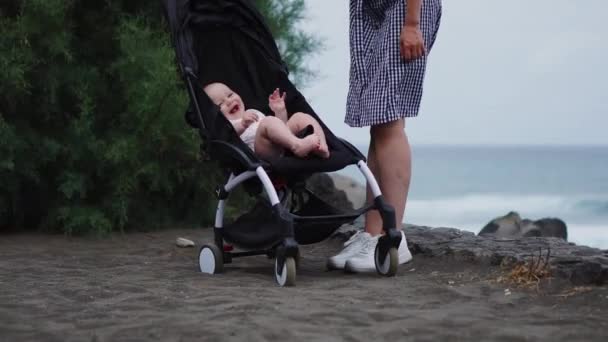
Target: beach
{"points": [[141, 287]]}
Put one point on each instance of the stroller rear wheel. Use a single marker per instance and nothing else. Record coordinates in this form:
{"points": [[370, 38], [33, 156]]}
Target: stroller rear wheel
{"points": [[387, 268], [287, 276], [211, 259]]}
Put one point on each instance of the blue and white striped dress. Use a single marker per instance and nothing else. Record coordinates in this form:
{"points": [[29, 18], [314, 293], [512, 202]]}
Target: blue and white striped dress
{"points": [[383, 86]]}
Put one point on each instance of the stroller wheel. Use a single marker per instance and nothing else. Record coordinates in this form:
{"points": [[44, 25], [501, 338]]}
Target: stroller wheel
{"points": [[288, 273], [297, 260], [387, 268], [211, 259]]}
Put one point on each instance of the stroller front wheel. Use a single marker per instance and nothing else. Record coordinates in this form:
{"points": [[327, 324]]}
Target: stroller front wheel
{"points": [[387, 268], [287, 276], [210, 259]]}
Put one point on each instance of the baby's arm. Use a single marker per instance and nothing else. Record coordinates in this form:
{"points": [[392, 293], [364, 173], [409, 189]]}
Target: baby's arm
{"points": [[276, 102], [238, 125]]}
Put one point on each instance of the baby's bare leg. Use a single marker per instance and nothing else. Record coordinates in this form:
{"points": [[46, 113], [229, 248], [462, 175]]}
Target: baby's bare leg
{"points": [[299, 121], [273, 136]]}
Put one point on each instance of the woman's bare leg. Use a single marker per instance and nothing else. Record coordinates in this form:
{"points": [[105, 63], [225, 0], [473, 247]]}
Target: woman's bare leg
{"points": [[273, 135], [390, 161], [298, 121], [372, 217]]}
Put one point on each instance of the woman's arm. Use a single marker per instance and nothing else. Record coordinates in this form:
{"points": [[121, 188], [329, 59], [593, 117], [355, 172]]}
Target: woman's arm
{"points": [[412, 17], [411, 42]]}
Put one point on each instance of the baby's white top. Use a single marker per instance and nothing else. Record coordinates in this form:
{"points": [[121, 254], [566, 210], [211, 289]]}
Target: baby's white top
{"points": [[248, 136]]}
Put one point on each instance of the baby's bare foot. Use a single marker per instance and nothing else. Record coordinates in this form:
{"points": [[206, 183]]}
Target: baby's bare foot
{"points": [[323, 150], [306, 145]]}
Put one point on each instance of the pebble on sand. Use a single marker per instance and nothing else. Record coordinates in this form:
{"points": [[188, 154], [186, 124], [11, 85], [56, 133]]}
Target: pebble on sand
{"points": [[182, 242]]}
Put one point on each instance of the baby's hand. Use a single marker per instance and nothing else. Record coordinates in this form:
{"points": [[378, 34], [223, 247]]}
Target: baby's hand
{"points": [[249, 118], [276, 101]]}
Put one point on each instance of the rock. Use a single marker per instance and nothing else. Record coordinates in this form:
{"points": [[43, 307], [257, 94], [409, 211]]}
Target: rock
{"points": [[528, 228], [355, 191], [181, 242], [323, 186], [346, 231], [512, 226], [579, 264], [505, 226], [552, 227]]}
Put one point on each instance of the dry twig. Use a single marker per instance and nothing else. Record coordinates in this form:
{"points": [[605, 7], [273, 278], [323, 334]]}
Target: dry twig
{"points": [[529, 273]]}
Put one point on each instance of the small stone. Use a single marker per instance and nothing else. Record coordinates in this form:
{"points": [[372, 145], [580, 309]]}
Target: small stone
{"points": [[507, 292], [181, 242]]}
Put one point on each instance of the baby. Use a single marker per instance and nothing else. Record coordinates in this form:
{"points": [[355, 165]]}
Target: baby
{"points": [[269, 136]]}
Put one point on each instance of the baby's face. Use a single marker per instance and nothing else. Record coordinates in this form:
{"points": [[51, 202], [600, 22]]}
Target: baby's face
{"points": [[230, 103]]}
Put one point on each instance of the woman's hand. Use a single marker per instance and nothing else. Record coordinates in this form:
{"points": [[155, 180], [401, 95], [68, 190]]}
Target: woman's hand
{"points": [[411, 43], [276, 101]]}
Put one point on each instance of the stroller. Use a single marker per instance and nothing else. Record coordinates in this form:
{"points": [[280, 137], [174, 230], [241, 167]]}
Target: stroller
{"points": [[228, 41]]}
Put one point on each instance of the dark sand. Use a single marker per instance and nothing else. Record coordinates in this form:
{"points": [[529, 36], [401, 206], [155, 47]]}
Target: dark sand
{"points": [[141, 287]]}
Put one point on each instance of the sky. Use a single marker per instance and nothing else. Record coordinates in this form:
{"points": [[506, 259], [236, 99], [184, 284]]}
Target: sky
{"points": [[501, 73]]}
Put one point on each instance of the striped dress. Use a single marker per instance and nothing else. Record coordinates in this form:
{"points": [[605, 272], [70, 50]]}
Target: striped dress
{"points": [[383, 86]]}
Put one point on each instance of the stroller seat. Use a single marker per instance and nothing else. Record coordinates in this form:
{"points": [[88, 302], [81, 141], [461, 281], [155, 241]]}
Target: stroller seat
{"points": [[228, 41]]}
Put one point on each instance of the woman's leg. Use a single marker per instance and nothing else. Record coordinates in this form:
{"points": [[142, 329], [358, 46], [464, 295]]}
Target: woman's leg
{"points": [[273, 134], [299, 121], [390, 161], [372, 217]]}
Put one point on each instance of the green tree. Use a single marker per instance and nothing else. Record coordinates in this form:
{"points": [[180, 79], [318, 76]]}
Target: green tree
{"points": [[92, 136]]}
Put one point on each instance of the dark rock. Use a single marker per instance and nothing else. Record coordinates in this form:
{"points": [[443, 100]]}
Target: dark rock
{"points": [[552, 227], [529, 229], [508, 225], [578, 264], [512, 225], [346, 231], [323, 186]]}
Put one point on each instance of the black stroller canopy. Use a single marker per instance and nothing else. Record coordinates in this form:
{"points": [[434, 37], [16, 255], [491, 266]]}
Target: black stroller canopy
{"points": [[228, 41], [240, 14]]}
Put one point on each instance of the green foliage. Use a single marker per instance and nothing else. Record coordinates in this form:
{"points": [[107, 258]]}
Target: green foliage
{"points": [[92, 135]]}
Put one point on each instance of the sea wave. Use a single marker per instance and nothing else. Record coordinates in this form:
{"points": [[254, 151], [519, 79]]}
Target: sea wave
{"points": [[497, 204], [586, 215]]}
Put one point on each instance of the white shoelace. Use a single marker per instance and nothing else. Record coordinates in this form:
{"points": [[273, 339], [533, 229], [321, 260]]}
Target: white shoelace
{"points": [[358, 235], [369, 246], [354, 242]]}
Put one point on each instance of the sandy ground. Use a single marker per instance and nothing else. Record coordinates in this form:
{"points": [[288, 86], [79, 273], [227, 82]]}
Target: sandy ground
{"points": [[140, 287]]}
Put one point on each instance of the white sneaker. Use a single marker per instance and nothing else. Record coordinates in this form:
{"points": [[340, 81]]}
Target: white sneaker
{"points": [[364, 260], [351, 247], [405, 255]]}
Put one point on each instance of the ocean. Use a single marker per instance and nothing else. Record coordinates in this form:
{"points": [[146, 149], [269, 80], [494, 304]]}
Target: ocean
{"points": [[465, 187]]}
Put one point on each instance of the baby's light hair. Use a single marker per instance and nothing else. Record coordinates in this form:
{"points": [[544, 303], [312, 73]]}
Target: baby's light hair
{"points": [[212, 84]]}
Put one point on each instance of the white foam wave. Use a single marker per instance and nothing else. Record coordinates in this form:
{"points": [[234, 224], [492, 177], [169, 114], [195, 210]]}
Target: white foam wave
{"points": [[586, 225]]}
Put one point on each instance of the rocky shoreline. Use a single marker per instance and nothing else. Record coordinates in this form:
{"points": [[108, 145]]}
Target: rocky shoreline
{"points": [[581, 265]]}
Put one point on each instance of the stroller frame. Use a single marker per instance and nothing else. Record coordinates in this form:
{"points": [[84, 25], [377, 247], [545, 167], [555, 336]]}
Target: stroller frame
{"points": [[244, 166]]}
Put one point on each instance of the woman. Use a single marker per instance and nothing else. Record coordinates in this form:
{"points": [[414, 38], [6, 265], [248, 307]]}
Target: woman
{"points": [[389, 45]]}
